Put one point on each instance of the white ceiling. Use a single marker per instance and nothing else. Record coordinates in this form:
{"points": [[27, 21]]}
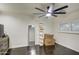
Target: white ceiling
{"points": [[29, 8]]}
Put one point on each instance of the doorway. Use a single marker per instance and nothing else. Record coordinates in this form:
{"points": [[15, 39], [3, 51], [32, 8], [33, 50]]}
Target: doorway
{"points": [[31, 35]]}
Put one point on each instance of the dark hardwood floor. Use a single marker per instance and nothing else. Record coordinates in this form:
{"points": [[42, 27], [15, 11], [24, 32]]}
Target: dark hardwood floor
{"points": [[42, 50]]}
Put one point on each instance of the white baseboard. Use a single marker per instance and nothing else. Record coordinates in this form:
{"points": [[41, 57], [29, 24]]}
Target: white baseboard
{"points": [[18, 46]]}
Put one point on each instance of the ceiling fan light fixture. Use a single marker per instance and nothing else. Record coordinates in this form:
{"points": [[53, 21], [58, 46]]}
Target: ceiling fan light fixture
{"points": [[48, 14], [51, 11]]}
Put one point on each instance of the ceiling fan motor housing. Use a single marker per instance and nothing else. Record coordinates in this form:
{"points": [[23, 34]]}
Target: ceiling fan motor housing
{"points": [[47, 7]]}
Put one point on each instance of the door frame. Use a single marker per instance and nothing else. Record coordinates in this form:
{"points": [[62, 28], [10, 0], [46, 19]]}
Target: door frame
{"points": [[30, 25]]}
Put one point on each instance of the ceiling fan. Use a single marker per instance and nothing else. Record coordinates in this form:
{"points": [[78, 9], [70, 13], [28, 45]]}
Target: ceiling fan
{"points": [[51, 11]]}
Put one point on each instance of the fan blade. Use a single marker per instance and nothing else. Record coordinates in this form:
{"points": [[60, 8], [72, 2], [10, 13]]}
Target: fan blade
{"points": [[42, 15], [40, 9], [54, 15], [38, 13], [59, 12], [61, 8]]}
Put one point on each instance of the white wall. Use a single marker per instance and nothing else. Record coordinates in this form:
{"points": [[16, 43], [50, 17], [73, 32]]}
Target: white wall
{"points": [[68, 40], [17, 28]]}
